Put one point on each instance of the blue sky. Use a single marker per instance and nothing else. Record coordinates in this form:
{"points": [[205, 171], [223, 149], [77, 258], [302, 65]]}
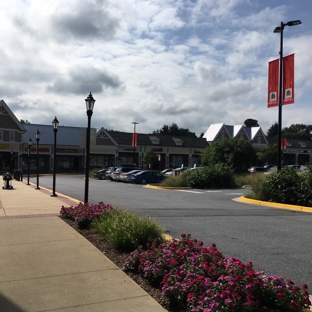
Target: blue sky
{"points": [[191, 62]]}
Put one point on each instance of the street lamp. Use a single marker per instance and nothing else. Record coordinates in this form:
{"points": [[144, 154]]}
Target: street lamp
{"points": [[280, 29], [134, 139], [55, 124], [37, 139], [29, 147], [89, 105]]}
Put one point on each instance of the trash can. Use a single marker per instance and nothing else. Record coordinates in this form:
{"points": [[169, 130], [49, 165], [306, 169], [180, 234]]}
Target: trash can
{"points": [[7, 181]]}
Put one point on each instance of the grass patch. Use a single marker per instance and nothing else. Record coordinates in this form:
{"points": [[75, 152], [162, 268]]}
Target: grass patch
{"points": [[177, 181], [249, 179], [126, 231]]}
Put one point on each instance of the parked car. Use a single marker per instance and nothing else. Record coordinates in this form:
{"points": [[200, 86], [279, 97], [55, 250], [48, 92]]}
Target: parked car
{"points": [[298, 167], [109, 172], [148, 176], [166, 171], [126, 176], [257, 170], [101, 174], [116, 174]]}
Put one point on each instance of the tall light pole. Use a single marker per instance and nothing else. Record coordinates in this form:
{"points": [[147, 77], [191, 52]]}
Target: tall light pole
{"points": [[89, 105], [29, 147], [55, 124], [134, 139], [280, 29], [37, 160]]}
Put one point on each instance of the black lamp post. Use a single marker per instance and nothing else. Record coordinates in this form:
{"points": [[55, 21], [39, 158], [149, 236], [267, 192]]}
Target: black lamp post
{"points": [[29, 147], [37, 139], [89, 105], [134, 139], [11, 162], [280, 29], [55, 124]]}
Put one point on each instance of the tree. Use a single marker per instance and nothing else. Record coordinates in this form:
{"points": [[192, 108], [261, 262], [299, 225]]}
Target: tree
{"points": [[268, 154], [273, 131], [251, 123], [150, 158], [297, 131], [174, 130], [236, 153], [24, 121]]}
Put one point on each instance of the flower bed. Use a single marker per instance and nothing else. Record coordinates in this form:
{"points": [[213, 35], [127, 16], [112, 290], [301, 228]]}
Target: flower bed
{"points": [[197, 278]]}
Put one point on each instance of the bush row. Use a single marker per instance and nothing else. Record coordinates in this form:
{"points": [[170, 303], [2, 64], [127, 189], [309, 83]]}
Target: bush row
{"points": [[287, 187]]}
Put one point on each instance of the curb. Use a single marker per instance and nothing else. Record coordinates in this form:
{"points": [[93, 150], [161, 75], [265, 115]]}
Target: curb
{"points": [[156, 187], [275, 205]]}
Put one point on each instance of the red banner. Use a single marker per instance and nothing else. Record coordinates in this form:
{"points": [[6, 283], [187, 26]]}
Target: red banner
{"points": [[284, 144], [288, 80], [273, 83], [134, 139]]}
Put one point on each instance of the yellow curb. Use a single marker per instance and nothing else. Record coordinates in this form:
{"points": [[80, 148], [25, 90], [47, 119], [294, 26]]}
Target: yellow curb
{"points": [[156, 187], [276, 205]]}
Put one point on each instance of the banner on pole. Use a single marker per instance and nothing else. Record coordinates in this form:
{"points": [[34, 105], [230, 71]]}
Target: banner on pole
{"points": [[134, 139], [273, 83], [284, 144], [288, 80]]}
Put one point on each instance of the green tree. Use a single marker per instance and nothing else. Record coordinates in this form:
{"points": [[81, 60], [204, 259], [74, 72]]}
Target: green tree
{"points": [[268, 154], [174, 130], [236, 153], [273, 130], [150, 158], [24, 121], [297, 131], [251, 123]]}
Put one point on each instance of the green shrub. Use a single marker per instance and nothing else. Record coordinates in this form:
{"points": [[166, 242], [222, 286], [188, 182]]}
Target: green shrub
{"points": [[281, 187], [249, 179], [305, 188], [217, 176], [126, 231]]}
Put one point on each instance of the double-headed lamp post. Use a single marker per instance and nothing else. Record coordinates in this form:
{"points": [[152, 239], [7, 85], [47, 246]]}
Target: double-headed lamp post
{"points": [[280, 29], [89, 105], [37, 161], [134, 139], [29, 147], [55, 124]]}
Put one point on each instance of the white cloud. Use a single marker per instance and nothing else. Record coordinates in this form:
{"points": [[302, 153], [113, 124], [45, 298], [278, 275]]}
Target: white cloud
{"points": [[156, 62]]}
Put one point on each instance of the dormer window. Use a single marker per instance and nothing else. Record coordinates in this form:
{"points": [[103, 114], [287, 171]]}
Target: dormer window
{"points": [[177, 141], [154, 140], [302, 144], [289, 144]]}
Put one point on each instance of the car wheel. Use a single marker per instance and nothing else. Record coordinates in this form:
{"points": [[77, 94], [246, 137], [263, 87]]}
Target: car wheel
{"points": [[102, 177], [143, 181]]}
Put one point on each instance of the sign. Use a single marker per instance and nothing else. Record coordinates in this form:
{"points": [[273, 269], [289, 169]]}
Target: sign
{"points": [[134, 139], [273, 83], [288, 80], [283, 144]]}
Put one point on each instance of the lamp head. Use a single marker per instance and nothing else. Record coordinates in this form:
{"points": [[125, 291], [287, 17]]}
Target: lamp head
{"points": [[55, 123], [90, 102]]}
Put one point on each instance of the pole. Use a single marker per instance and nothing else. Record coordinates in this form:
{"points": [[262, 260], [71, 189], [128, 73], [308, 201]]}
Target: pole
{"points": [[280, 103], [28, 165], [54, 164], [89, 113], [37, 160]]}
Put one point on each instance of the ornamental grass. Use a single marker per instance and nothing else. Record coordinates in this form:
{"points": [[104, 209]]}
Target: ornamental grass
{"points": [[196, 278]]}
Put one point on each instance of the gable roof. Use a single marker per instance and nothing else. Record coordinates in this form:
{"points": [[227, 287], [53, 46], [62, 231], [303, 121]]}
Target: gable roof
{"points": [[213, 131], [4, 108]]}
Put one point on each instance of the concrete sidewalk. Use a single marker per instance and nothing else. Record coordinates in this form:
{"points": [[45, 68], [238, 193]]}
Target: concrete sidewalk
{"points": [[45, 265]]}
